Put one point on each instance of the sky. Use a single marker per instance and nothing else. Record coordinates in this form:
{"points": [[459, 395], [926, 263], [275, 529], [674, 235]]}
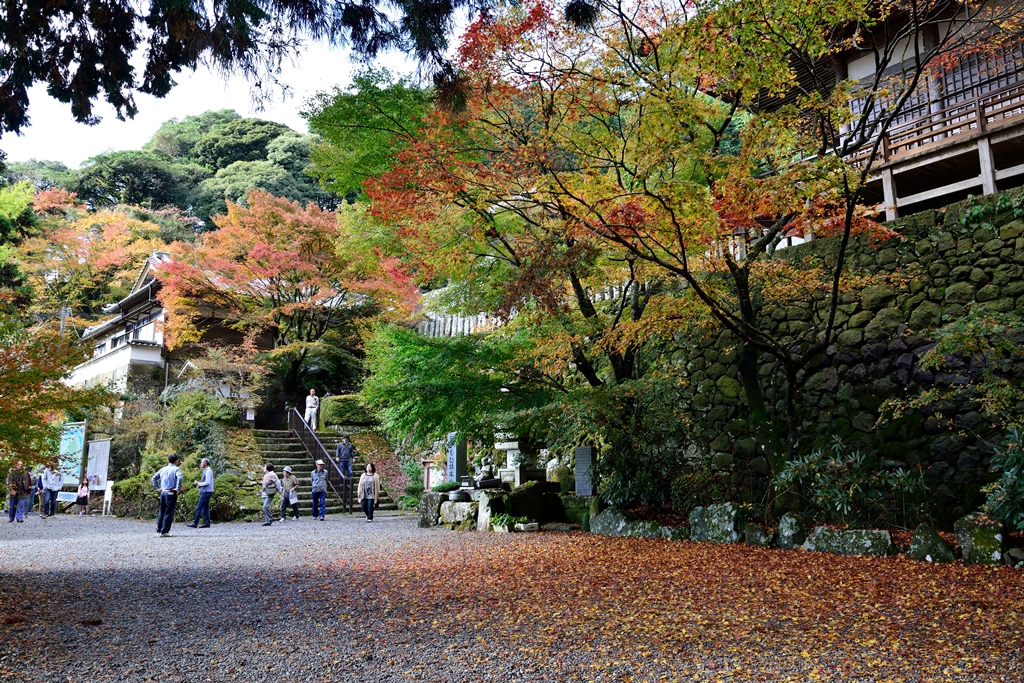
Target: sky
{"points": [[54, 134]]}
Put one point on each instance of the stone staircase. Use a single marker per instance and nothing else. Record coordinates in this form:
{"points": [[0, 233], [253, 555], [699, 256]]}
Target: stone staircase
{"points": [[282, 448]]}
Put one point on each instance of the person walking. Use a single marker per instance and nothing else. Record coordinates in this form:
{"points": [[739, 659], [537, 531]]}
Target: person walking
{"points": [[205, 486], [83, 497], [271, 485], [37, 481], [19, 488], [312, 408], [344, 454], [167, 481], [318, 478], [369, 490], [53, 482], [289, 494]]}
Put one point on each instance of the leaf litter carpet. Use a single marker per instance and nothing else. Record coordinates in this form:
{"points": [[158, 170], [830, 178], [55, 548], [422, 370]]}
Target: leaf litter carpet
{"points": [[109, 600]]}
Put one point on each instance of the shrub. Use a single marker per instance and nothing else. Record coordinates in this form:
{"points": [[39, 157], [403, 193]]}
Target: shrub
{"points": [[408, 502], [841, 487], [344, 410], [415, 489], [446, 486], [701, 488], [505, 519], [1005, 500]]}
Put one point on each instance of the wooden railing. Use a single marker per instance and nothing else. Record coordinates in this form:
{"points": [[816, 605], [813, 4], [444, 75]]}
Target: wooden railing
{"points": [[316, 450], [979, 114]]}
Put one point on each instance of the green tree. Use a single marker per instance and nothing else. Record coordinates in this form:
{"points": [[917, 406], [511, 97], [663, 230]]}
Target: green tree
{"points": [[238, 140], [363, 127], [43, 175], [232, 183], [177, 138], [134, 177], [423, 388]]}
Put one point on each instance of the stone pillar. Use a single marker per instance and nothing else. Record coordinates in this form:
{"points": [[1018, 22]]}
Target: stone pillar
{"points": [[889, 195], [988, 167]]}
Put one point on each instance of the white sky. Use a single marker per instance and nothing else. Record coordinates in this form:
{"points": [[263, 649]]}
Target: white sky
{"points": [[54, 134]]}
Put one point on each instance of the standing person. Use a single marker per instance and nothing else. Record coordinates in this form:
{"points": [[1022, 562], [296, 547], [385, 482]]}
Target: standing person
{"points": [[167, 481], [318, 478], [83, 497], [344, 454], [41, 492], [271, 485], [312, 408], [369, 490], [37, 478], [53, 482], [19, 488], [205, 485], [289, 494]]}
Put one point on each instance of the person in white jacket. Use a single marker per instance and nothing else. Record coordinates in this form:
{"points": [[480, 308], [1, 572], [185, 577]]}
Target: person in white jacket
{"points": [[312, 408], [53, 482]]}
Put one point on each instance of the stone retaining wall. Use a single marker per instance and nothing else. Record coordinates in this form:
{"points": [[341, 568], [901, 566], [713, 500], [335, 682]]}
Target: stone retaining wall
{"points": [[939, 266]]}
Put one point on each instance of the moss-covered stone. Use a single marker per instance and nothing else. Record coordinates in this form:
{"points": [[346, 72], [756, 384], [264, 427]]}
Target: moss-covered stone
{"points": [[756, 536], [928, 546], [429, 509], [612, 522], [982, 540], [959, 293], [869, 542], [791, 533], [722, 522], [698, 525]]}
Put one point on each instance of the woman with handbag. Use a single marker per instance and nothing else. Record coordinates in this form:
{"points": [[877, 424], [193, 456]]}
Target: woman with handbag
{"points": [[271, 485], [369, 490], [289, 494]]}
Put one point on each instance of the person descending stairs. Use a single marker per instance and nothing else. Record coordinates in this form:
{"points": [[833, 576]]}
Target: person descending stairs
{"points": [[284, 449]]}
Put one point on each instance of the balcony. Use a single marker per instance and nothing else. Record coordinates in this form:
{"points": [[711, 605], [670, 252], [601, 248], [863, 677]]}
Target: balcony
{"points": [[966, 137]]}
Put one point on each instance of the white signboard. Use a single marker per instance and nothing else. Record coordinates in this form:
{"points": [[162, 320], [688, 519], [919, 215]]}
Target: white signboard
{"points": [[99, 460]]}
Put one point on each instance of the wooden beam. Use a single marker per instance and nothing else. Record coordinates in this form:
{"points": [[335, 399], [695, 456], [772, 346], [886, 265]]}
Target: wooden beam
{"points": [[939, 191]]}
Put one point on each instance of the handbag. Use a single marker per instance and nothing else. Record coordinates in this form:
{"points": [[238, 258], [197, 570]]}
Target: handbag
{"points": [[270, 489]]}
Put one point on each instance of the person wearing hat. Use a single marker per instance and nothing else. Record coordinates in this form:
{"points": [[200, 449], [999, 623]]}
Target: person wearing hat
{"points": [[205, 486], [289, 494], [318, 478]]}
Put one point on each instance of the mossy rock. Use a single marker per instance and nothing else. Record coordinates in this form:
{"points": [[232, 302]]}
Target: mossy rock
{"points": [[928, 546], [982, 540]]}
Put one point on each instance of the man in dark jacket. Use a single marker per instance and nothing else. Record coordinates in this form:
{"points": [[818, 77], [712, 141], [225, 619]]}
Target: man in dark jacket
{"points": [[345, 454], [19, 488]]}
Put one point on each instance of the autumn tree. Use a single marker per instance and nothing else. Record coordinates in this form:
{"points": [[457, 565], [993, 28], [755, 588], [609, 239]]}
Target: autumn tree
{"points": [[85, 260], [274, 267], [660, 138], [34, 362]]}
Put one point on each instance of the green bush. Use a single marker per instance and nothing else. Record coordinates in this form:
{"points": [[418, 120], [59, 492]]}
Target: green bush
{"points": [[414, 489], [701, 488], [1005, 500], [223, 504], [446, 486], [344, 410], [408, 502], [505, 519], [841, 487]]}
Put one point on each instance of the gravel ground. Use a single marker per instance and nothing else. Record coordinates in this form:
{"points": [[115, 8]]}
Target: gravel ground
{"points": [[103, 599]]}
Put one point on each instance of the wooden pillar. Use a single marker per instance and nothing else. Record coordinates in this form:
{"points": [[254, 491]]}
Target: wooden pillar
{"points": [[889, 195], [988, 167]]}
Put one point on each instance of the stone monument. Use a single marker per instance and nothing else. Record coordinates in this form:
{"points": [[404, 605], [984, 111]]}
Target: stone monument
{"points": [[585, 457]]}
